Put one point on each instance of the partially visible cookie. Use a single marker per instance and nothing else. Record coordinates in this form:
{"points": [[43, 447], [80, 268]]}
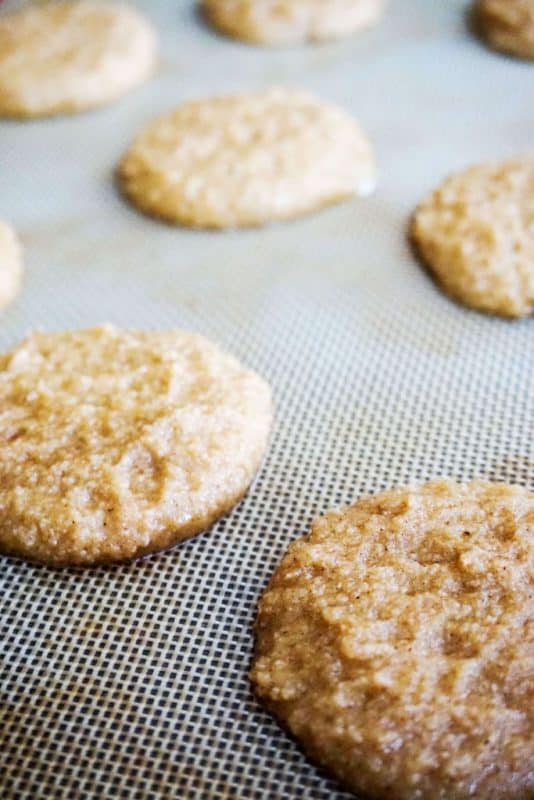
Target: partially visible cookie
{"points": [[396, 642], [247, 159], [65, 56], [476, 234], [507, 25], [279, 22], [10, 264], [115, 444]]}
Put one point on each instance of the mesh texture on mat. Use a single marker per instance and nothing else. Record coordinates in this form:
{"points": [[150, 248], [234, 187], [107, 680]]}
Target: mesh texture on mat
{"points": [[132, 681]]}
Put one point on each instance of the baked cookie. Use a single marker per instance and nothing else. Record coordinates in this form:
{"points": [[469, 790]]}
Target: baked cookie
{"points": [[279, 22], [396, 642], [10, 264], [507, 25], [115, 444], [246, 159], [65, 56], [476, 234]]}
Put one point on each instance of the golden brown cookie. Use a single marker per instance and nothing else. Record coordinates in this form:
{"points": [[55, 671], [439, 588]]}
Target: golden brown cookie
{"points": [[476, 234], [10, 264], [247, 159], [280, 22], [507, 25], [114, 444], [396, 642], [65, 56]]}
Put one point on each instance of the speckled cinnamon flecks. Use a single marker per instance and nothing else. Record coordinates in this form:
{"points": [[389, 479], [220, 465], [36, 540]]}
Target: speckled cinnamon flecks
{"points": [[114, 444], [396, 642]]}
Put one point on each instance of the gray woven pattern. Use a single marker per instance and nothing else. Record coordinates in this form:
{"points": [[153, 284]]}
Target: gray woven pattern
{"points": [[131, 682]]}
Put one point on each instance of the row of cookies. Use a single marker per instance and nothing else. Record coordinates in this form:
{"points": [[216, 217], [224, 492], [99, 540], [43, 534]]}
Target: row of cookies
{"points": [[506, 25], [67, 57], [252, 158], [116, 444], [394, 641]]}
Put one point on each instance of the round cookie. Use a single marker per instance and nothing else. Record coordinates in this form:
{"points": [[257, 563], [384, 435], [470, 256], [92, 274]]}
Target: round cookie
{"points": [[507, 25], [246, 159], [66, 56], [280, 22], [476, 234], [396, 642], [10, 264], [116, 444]]}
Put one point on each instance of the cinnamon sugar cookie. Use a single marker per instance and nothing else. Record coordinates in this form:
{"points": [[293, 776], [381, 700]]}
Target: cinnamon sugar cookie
{"points": [[65, 56], [507, 25], [114, 444], [279, 22], [247, 159], [476, 234], [396, 642]]}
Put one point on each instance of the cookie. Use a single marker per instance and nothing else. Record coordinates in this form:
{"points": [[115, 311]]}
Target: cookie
{"points": [[116, 444], [507, 25], [476, 234], [10, 264], [280, 22], [396, 642], [246, 159], [66, 56]]}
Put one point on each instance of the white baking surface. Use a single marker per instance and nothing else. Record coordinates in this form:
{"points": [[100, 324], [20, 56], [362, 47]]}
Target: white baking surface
{"points": [[132, 682]]}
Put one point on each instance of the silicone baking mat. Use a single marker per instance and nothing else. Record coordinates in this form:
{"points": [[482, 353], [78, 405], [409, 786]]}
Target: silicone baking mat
{"points": [[131, 682]]}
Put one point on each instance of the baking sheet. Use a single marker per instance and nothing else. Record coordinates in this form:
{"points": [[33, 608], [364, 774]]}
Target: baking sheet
{"points": [[132, 681]]}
